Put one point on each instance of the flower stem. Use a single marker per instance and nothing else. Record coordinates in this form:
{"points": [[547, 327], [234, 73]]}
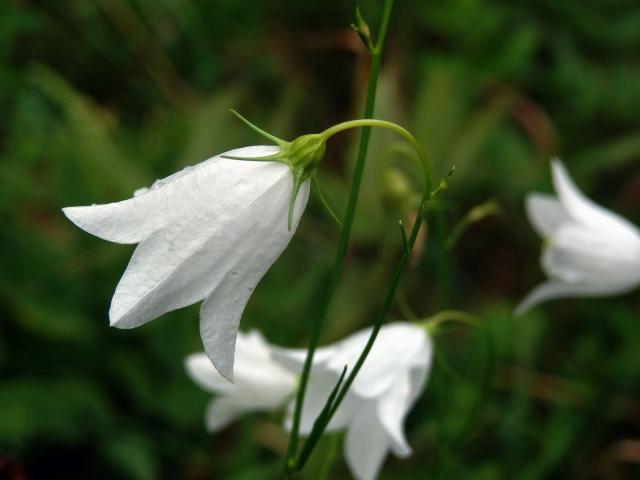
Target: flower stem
{"points": [[341, 390], [367, 123], [345, 235], [388, 300], [432, 323]]}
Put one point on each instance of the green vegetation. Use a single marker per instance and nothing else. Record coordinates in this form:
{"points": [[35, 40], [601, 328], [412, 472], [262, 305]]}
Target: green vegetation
{"points": [[99, 98]]}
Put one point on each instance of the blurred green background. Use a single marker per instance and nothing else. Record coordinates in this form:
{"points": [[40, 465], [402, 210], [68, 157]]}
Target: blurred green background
{"points": [[100, 97]]}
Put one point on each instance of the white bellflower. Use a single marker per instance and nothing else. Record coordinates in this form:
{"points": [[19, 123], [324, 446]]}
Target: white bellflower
{"points": [[589, 251], [260, 384], [209, 232], [382, 394]]}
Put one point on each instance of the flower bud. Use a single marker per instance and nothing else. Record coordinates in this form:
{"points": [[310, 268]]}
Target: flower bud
{"points": [[397, 190]]}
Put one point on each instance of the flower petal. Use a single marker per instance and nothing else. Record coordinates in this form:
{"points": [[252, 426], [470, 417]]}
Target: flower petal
{"points": [[394, 406], [586, 211], [554, 289], [259, 380], [318, 390], [293, 359], [395, 349], [366, 444], [254, 244], [392, 410], [133, 220], [129, 221], [581, 254], [202, 372], [183, 262], [545, 213], [222, 411]]}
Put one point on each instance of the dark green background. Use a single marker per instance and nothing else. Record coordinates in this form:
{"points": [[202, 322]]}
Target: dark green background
{"points": [[100, 97]]}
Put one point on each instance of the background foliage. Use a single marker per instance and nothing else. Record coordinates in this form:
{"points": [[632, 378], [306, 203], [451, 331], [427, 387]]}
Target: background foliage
{"points": [[100, 97]]}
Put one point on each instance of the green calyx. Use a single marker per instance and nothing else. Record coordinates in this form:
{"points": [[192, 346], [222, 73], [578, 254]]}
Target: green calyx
{"points": [[302, 155]]}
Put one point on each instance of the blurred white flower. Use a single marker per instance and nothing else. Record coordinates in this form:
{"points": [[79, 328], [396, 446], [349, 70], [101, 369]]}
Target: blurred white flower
{"points": [[382, 394], [260, 384], [209, 232], [589, 251]]}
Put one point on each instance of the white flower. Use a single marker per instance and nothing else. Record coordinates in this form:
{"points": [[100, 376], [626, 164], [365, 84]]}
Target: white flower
{"points": [[260, 383], [209, 232], [382, 394], [589, 250]]}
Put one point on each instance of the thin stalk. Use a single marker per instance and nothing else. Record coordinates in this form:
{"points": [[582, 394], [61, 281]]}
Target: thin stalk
{"points": [[388, 301], [367, 123], [330, 457], [345, 236], [320, 425], [432, 323]]}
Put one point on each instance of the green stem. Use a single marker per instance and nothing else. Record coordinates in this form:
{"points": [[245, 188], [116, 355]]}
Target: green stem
{"points": [[432, 323], [324, 201], [367, 123], [345, 235], [407, 247], [388, 301], [330, 456]]}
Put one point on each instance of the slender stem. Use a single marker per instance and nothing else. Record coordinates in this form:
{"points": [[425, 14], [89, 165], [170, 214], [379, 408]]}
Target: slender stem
{"points": [[367, 123], [407, 247], [444, 316], [345, 235], [388, 301], [324, 201]]}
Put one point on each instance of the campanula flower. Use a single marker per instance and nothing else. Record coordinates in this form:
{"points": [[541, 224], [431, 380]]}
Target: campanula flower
{"points": [[207, 233], [589, 251], [384, 391], [260, 384]]}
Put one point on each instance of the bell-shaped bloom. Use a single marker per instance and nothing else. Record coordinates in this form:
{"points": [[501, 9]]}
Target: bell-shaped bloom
{"points": [[382, 394], [589, 251], [209, 232], [260, 384]]}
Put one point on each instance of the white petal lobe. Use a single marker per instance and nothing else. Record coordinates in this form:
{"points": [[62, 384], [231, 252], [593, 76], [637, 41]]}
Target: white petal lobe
{"points": [[202, 372], [129, 221], [259, 241], [546, 213], [366, 445], [552, 290], [583, 209], [221, 412]]}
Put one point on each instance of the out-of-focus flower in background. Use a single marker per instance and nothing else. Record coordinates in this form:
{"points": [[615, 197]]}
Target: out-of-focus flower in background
{"points": [[382, 394], [373, 411], [260, 384], [589, 251], [209, 232]]}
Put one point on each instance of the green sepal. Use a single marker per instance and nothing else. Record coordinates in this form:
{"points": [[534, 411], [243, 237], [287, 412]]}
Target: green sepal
{"points": [[276, 157], [297, 182], [255, 128], [323, 200], [302, 155]]}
